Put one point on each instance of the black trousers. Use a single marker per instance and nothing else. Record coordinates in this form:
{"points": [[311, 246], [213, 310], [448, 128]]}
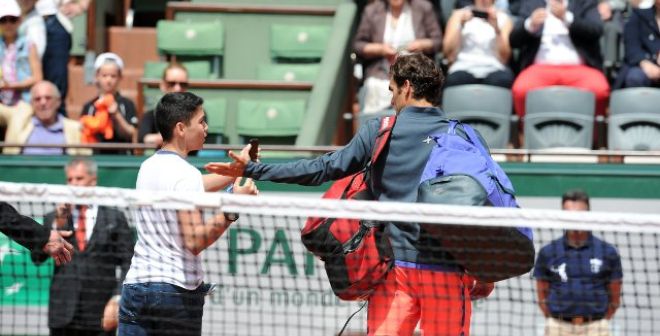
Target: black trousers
{"points": [[502, 78], [56, 57]]}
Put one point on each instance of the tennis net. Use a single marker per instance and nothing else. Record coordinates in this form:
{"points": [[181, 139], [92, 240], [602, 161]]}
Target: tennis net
{"points": [[268, 284]]}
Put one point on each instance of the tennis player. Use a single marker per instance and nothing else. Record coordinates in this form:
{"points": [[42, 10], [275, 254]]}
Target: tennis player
{"points": [[425, 285]]}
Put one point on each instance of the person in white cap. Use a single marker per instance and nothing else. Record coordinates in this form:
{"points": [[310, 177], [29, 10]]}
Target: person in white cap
{"points": [[20, 66], [109, 68]]}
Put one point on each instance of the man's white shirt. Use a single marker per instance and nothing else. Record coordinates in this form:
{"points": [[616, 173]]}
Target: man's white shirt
{"points": [[160, 255]]}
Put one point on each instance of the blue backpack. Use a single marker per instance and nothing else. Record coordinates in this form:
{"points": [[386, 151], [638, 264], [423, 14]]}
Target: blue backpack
{"points": [[460, 171]]}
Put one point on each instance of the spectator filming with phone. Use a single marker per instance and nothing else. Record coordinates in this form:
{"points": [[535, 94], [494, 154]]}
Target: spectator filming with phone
{"points": [[476, 43]]}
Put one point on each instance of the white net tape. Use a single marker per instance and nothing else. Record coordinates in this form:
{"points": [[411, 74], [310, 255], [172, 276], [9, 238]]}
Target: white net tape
{"points": [[306, 207]]}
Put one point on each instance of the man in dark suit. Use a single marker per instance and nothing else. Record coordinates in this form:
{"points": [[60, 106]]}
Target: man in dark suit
{"points": [[34, 236], [84, 294], [559, 43]]}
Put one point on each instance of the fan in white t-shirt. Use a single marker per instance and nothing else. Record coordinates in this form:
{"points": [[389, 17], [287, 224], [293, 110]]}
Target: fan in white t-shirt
{"points": [[164, 289]]}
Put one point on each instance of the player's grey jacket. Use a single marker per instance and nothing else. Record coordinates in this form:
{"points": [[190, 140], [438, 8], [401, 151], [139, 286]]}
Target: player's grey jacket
{"points": [[396, 175]]}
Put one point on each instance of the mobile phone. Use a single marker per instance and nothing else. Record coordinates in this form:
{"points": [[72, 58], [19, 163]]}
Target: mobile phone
{"points": [[254, 150], [480, 14]]}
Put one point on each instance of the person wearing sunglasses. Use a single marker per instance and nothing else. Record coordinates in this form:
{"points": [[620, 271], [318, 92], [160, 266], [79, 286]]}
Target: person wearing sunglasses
{"points": [[175, 79], [20, 66]]}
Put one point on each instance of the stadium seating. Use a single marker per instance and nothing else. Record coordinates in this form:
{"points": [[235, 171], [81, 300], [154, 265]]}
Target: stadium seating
{"points": [[288, 72], [216, 116], [272, 121], [559, 116], [79, 35], [634, 122], [190, 40], [487, 108], [298, 65], [298, 43]]}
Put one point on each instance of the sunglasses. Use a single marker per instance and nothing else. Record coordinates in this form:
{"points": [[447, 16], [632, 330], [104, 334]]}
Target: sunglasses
{"points": [[171, 84], [8, 19]]}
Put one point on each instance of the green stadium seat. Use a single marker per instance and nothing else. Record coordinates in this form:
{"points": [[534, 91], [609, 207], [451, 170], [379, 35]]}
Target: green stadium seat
{"points": [[196, 69], [192, 40], [216, 114], [300, 43], [273, 121], [288, 72], [79, 35]]}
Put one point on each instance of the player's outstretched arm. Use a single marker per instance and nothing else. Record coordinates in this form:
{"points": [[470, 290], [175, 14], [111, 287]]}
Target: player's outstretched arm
{"points": [[197, 234], [233, 169]]}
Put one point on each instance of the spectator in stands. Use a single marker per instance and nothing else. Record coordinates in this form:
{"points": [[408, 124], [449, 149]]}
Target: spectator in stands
{"points": [[612, 14], [478, 47], [121, 114], [559, 43], [642, 45], [389, 27], [57, 15], [43, 125], [19, 64], [84, 295], [34, 236], [32, 25], [578, 279], [175, 79]]}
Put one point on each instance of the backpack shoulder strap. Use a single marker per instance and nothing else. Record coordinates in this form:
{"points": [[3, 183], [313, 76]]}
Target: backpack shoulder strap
{"points": [[386, 125]]}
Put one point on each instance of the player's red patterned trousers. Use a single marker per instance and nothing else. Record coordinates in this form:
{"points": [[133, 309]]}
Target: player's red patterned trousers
{"points": [[439, 301]]}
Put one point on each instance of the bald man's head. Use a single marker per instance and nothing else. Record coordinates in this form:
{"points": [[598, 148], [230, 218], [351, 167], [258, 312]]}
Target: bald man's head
{"points": [[46, 100]]}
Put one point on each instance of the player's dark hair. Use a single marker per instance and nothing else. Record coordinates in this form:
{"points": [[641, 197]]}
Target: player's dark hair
{"points": [[174, 108], [576, 195], [422, 73]]}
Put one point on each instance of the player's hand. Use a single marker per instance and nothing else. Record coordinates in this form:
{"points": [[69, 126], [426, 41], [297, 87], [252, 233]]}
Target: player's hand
{"points": [[58, 248], [248, 187], [232, 169], [481, 290], [110, 318]]}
